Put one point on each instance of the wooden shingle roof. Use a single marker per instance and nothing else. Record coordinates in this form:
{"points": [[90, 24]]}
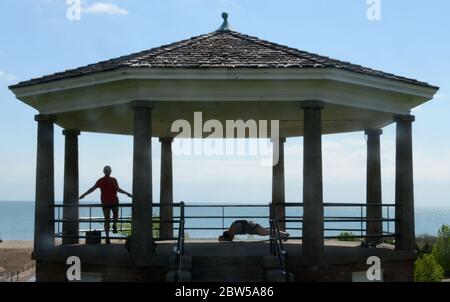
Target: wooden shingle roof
{"points": [[219, 49]]}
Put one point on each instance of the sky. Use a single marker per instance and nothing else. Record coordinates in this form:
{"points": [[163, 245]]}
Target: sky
{"points": [[411, 38]]}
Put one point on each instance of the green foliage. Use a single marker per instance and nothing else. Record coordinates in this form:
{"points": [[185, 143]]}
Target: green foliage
{"points": [[344, 236], [125, 228], [389, 241], [425, 243], [427, 269], [441, 250]]}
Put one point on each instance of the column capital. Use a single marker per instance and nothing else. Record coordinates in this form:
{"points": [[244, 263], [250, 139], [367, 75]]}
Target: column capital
{"points": [[281, 139], [373, 131], [166, 139], [404, 118], [71, 132], [45, 118], [142, 104], [312, 104]]}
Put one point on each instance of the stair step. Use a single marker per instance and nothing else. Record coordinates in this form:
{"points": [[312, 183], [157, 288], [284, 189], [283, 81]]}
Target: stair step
{"points": [[225, 280], [186, 263], [276, 275], [271, 262], [184, 276], [228, 274], [225, 261]]}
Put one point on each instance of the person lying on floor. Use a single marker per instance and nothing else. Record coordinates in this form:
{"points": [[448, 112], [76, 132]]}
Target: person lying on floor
{"points": [[244, 227]]}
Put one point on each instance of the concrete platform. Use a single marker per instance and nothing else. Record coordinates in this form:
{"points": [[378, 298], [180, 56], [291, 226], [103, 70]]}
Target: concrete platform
{"points": [[212, 260], [335, 251]]}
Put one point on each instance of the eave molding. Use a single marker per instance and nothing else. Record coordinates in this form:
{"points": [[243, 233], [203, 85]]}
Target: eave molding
{"points": [[325, 74]]}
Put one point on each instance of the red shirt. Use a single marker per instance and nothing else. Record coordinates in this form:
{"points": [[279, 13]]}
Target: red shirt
{"points": [[108, 187]]}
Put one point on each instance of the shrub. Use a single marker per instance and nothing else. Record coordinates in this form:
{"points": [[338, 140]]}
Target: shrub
{"points": [[427, 269], [344, 236], [125, 228], [425, 243], [441, 250], [390, 241]]}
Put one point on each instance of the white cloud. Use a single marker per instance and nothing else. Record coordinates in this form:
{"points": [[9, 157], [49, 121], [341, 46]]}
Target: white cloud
{"points": [[7, 77], [433, 167], [104, 8], [441, 96]]}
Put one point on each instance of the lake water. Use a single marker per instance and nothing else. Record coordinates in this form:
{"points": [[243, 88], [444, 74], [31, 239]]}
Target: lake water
{"points": [[17, 219]]}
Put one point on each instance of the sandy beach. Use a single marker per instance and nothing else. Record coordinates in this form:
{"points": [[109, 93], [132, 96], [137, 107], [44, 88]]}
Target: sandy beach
{"points": [[15, 261]]}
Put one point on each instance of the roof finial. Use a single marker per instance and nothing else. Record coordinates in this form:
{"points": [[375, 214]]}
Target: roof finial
{"points": [[225, 25]]}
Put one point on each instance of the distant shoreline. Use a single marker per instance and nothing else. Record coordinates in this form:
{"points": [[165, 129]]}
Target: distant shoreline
{"points": [[17, 219], [16, 244]]}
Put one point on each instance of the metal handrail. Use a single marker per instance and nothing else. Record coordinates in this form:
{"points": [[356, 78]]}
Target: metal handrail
{"points": [[97, 220], [278, 248], [357, 218], [180, 245], [123, 205]]}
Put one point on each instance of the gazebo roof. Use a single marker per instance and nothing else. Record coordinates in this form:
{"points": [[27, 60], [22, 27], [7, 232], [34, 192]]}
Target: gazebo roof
{"points": [[225, 75], [224, 48]]}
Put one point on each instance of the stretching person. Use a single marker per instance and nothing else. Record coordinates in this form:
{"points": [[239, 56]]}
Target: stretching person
{"points": [[243, 227], [110, 202]]}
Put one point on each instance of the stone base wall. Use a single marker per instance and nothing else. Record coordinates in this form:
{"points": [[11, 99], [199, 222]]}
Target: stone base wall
{"points": [[393, 271], [56, 272]]}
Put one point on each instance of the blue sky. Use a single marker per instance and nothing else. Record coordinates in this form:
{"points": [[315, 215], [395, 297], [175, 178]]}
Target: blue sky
{"points": [[411, 39]]}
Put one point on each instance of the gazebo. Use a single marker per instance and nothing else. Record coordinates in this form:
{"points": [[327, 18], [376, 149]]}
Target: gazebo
{"points": [[226, 75]]}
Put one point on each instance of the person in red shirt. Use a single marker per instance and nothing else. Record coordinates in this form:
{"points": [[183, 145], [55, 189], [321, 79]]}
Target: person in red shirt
{"points": [[110, 202]]}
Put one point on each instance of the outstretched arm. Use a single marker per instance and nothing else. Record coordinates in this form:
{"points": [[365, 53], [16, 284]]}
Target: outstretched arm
{"points": [[124, 192], [88, 192]]}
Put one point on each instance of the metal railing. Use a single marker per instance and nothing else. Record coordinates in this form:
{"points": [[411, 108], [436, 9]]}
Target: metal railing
{"points": [[277, 248], [179, 252], [354, 223], [354, 232], [14, 274], [91, 219], [195, 218]]}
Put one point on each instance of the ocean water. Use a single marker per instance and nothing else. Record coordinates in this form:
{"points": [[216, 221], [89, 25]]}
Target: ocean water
{"points": [[17, 219]]}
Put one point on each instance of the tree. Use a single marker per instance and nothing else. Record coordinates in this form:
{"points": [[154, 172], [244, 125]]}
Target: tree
{"points": [[427, 269], [441, 250]]}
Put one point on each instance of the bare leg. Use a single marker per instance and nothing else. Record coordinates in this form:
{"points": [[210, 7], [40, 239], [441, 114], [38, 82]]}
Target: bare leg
{"points": [[107, 215], [262, 231], [284, 235], [266, 232], [115, 211]]}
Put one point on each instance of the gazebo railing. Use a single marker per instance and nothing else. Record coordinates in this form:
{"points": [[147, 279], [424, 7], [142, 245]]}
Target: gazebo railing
{"points": [[91, 219], [179, 251], [335, 223], [341, 220], [277, 248]]}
